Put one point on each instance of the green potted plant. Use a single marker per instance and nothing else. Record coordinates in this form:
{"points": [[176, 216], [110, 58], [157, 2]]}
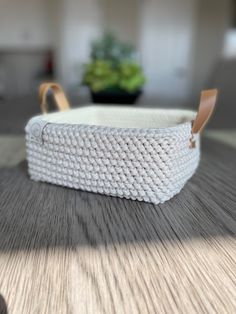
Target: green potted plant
{"points": [[113, 75]]}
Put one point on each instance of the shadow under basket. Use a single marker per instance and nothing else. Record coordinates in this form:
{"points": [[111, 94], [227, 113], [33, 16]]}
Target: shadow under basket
{"points": [[139, 154]]}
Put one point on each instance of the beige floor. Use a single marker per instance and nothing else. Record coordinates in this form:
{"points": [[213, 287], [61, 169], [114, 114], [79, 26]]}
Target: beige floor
{"points": [[227, 137], [12, 148]]}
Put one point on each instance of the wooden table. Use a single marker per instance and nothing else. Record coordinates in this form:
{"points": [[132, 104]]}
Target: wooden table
{"points": [[67, 251]]}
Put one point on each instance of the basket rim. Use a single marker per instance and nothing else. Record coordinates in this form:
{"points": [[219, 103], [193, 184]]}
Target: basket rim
{"points": [[182, 127], [93, 127]]}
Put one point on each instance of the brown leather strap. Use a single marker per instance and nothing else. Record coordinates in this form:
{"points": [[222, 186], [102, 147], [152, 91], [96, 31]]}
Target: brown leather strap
{"points": [[58, 93], [206, 108]]}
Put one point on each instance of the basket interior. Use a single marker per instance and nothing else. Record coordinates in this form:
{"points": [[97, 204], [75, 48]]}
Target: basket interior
{"points": [[122, 117]]}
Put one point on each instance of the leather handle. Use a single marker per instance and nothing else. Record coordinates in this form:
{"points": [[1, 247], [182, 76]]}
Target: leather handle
{"points": [[58, 93], [205, 111], [206, 108]]}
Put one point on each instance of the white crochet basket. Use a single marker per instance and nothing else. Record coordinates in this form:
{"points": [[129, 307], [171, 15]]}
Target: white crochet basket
{"points": [[140, 154]]}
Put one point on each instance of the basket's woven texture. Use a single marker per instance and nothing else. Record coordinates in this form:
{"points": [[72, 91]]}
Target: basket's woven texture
{"points": [[149, 165]]}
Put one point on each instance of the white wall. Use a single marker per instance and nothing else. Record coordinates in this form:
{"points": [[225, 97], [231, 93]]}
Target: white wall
{"points": [[25, 36], [24, 24], [229, 50], [213, 21], [167, 29], [123, 18], [79, 22], [180, 41]]}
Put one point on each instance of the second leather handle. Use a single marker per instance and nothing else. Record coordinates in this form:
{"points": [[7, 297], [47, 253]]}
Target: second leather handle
{"points": [[206, 108]]}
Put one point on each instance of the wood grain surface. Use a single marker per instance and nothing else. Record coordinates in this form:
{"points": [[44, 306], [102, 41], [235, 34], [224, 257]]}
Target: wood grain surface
{"points": [[67, 251]]}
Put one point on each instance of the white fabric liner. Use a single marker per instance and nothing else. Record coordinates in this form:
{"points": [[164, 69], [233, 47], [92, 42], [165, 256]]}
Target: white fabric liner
{"points": [[122, 117]]}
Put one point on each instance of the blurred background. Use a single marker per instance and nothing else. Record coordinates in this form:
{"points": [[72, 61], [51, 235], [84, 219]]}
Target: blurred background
{"points": [[174, 48]]}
